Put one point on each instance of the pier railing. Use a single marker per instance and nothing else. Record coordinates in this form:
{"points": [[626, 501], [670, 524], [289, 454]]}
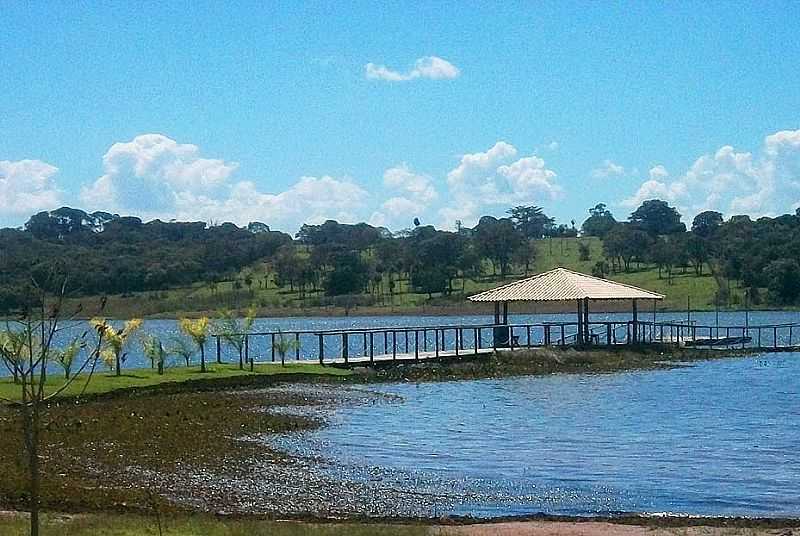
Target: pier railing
{"points": [[410, 343]]}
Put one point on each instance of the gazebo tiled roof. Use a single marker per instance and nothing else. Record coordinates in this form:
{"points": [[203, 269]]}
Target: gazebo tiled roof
{"points": [[564, 285]]}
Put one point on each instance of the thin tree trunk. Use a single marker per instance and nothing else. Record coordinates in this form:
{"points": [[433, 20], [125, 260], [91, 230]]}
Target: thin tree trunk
{"points": [[202, 358]]}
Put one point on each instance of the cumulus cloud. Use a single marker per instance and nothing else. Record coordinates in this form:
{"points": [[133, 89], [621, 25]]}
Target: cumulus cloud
{"points": [[607, 169], [732, 182], [26, 187], [416, 185], [486, 180], [430, 67], [155, 176], [417, 193]]}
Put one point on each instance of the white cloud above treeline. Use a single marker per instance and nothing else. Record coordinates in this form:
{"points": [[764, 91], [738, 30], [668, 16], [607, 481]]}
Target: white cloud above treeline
{"points": [[27, 187], [154, 176], [765, 183], [430, 67]]}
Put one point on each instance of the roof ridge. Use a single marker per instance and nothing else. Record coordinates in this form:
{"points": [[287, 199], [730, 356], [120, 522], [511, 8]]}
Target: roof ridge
{"points": [[614, 282], [524, 280]]}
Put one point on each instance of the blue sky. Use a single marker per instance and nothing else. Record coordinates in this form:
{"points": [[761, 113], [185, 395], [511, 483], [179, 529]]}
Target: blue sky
{"points": [[210, 111]]}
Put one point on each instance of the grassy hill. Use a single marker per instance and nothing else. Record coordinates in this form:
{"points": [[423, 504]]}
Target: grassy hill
{"points": [[274, 300]]}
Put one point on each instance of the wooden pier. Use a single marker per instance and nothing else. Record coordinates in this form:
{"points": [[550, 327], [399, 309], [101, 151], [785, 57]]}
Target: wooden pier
{"points": [[375, 346]]}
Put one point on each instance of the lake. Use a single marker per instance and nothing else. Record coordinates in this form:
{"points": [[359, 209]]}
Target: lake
{"points": [[716, 438], [167, 329]]}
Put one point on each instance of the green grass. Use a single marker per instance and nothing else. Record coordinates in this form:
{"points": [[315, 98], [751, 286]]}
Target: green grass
{"points": [[105, 382], [130, 525]]}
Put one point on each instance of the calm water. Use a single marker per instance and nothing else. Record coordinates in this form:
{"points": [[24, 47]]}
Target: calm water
{"points": [[715, 438]]}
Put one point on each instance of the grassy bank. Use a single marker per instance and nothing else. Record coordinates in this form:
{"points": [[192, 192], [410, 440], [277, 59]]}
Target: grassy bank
{"points": [[223, 375]]}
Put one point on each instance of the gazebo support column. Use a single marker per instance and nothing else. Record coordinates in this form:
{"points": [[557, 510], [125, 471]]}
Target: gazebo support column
{"points": [[587, 337], [501, 331], [579, 336], [635, 331]]}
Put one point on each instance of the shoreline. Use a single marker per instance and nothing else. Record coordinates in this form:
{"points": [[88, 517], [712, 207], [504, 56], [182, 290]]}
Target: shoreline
{"points": [[260, 401]]}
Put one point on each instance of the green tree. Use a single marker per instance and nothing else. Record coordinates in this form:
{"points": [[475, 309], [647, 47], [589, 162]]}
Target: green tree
{"points": [[197, 330], [783, 280], [531, 221], [153, 349], [350, 275], [497, 240], [706, 223], [599, 222], [234, 330], [656, 217]]}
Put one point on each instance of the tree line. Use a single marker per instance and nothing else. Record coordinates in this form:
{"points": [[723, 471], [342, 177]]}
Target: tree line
{"points": [[102, 253]]}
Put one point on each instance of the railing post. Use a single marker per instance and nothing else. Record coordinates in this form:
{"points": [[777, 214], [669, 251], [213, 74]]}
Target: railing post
{"points": [[563, 339], [424, 340], [455, 346], [759, 337], [364, 353], [479, 338], [511, 337], [406, 332], [608, 334], [461, 337], [345, 348], [416, 345], [219, 350], [371, 347], [775, 337], [476, 339], [247, 351], [273, 346], [546, 335], [297, 345], [436, 333], [385, 342], [394, 345], [321, 349]]}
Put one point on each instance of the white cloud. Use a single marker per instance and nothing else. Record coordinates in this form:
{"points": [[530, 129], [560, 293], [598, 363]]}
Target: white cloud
{"points": [[26, 187], [418, 186], [607, 169], [147, 173], [430, 67], [155, 176], [477, 165], [487, 180], [761, 184], [417, 190]]}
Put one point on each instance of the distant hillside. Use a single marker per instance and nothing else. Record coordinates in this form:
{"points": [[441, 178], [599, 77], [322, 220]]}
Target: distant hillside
{"points": [[173, 267]]}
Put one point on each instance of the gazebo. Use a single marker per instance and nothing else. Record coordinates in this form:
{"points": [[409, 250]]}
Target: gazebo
{"points": [[566, 286]]}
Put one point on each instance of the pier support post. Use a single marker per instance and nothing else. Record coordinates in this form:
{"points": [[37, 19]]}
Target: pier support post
{"points": [[321, 349]]}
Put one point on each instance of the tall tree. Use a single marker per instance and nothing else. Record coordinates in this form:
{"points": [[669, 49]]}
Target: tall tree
{"points": [[599, 222], [656, 217], [531, 221], [706, 223]]}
